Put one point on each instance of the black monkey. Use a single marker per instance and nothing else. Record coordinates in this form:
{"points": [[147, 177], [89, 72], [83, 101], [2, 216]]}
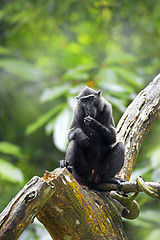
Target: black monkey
{"points": [[93, 156]]}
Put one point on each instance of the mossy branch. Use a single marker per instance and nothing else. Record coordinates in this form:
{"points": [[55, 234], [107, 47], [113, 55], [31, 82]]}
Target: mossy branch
{"points": [[152, 189], [23, 208]]}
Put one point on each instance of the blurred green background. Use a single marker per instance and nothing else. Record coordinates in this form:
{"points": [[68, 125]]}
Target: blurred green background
{"points": [[49, 50]]}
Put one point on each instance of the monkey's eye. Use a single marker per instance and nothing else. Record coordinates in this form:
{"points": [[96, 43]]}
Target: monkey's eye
{"points": [[87, 98], [83, 99], [91, 98]]}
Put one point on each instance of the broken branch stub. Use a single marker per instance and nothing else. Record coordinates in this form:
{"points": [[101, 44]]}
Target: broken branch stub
{"points": [[23, 208]]}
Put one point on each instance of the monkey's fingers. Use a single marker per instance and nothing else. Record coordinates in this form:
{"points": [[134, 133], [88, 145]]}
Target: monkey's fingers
{"points": [[62, 163], [88, 120], [85, 142]]}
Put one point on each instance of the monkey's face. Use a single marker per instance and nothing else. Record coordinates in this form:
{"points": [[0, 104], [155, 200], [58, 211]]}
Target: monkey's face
{"points": [[88, 103]]}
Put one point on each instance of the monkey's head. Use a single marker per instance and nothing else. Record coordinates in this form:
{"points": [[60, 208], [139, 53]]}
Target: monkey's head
{"points": [[89, 101]]}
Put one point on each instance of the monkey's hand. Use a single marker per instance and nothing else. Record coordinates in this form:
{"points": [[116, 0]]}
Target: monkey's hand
{"points": [[89, 121], [81, 138]]}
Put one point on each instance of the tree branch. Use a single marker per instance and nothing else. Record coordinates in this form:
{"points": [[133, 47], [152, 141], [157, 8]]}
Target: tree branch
{"points": [[150, 188], [21, 211], [76, 212], [136, 123]]}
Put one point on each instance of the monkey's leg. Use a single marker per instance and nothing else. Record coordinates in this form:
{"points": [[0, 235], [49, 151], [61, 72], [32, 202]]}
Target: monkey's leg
{"points": [[113, 164], [71, 153], [116, 159], [70, 156], [76, 158]]}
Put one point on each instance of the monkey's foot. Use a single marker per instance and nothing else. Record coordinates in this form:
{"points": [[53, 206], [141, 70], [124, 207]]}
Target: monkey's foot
{"points": [[70, 168], [112, 180], [63, 163]]}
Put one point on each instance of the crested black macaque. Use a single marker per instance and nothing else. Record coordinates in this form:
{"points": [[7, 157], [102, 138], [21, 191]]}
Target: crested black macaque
{"points": [[93, 156]]}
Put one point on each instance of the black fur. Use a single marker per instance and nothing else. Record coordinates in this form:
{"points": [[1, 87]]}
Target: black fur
{"points": [[93, 156]]}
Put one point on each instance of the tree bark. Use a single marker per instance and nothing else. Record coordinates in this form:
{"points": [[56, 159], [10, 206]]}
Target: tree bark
{"points": [[76, 212], [136, 123], [22, 210]]}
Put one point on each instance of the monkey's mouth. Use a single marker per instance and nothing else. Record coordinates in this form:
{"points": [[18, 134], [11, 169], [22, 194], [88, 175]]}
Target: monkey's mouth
{"points": [[91, 115], [90, 112]]}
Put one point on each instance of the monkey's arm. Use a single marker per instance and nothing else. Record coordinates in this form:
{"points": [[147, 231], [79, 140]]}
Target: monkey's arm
{"points": [[79, 136], [108, 133]]}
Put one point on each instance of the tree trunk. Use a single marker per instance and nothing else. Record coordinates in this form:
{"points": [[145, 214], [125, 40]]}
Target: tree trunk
{"points": [[76, 212]]}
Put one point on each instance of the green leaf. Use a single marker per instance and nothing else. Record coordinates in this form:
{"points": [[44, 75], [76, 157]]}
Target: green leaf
{"points": [[155, 164], [151, 216], [79, 73], [116, 102], [154, 234], [156, 175], [107, 75], [86, 67], [50, 94], [20, 68], [115, 88], [49, 128], [4, 51], [75, 74], [9, 172], [154, 159], [9, 148], [139, 172], [61, 127], [120, 58], [129, 76], [42, 120]]}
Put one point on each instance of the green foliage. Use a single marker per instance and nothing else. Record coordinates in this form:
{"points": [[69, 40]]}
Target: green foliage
{"points": [[9, 172], [56, 92], [42, 120], [9, 148], [20, 68], [149, 222], [61, 127]]}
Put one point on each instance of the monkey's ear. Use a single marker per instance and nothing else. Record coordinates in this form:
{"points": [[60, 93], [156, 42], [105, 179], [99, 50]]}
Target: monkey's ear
{"points": [[77, 97], [99, 93]]}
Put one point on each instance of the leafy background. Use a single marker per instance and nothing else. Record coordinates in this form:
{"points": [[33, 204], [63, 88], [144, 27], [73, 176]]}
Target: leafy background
{"points": [[49, 50]]}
